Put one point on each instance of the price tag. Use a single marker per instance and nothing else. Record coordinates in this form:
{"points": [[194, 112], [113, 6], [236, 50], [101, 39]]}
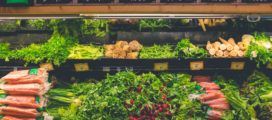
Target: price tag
{"points": [[47, 66], [237, 65], [197, 65], [80, 67], [106, 69], [161, 66], [269, 66]]}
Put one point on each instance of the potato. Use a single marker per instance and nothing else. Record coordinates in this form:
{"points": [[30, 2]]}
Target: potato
{"points": [[135, 46], [109, 47], [121, 44], [109, 54], [132, 55]]}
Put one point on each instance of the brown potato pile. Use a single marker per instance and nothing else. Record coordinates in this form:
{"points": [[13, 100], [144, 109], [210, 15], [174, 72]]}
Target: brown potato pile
{"points": [[123, 50]]}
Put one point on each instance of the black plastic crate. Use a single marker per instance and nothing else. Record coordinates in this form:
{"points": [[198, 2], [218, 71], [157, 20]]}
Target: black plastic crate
{"points": [[218, 1], [178, 1], [53, 1], [136, 1], [257, 1], [95, 1]]}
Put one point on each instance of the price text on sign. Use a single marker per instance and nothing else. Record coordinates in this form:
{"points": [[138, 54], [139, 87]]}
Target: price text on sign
{"points": [[269, 66], [197, 65], [161, 66], [237, 65], [47, 66], [80, 67]]}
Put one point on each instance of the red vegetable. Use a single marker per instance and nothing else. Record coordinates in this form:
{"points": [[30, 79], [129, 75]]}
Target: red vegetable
{"points": [[165, 106], [160, 109], [131, 101], [167, 113], [164, 97], [139, 89]]}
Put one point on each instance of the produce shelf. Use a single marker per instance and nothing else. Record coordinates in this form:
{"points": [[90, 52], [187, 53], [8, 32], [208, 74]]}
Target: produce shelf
{"points": [[76, 10], [145, 65]]}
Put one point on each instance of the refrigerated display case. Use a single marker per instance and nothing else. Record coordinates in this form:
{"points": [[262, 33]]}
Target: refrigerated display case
{"points": [[141, 60]]}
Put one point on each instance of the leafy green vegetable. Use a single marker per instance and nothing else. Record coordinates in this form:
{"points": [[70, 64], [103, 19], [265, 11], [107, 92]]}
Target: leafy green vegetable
{"points": [[153, 24], [260, 49], [56, 50], [240, 108], [5, 51], [86, 52], [189, 50], [157, 51], [65, 103], [38, 23], [99, 28], [258, 89], [8, 25]]}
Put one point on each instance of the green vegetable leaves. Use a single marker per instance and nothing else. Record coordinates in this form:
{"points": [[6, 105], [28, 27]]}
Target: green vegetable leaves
{"points": [[157, 51], [86, 52], [260, 49], [188, 50]]}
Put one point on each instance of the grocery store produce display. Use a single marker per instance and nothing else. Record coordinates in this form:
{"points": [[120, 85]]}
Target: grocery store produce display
{"points": [[127, 95], [171, 76], [22, 94]]}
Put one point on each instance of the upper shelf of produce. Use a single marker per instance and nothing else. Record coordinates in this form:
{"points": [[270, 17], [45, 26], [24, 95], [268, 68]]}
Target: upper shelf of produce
{"points": [[79, 8]]}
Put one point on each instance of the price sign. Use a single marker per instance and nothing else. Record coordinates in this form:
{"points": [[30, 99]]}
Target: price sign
{"points": [[106, 69], [269, 66], [161, 66], [197, 65], [81, 67], [47, 66], [237, 65]]}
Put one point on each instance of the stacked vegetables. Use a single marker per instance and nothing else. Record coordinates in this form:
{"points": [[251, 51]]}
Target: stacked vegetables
{"points": [[260, 48], [23, 94], [258, 89], [150, 97], [228, 48], [213, 97], [157, 51], [188, 50], [85, 52], [64, 102], [123, 50]]}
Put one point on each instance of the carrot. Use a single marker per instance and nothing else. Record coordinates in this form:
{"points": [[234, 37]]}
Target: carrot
{"points": [[209, 96], [221, 106], [216, 101]]}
